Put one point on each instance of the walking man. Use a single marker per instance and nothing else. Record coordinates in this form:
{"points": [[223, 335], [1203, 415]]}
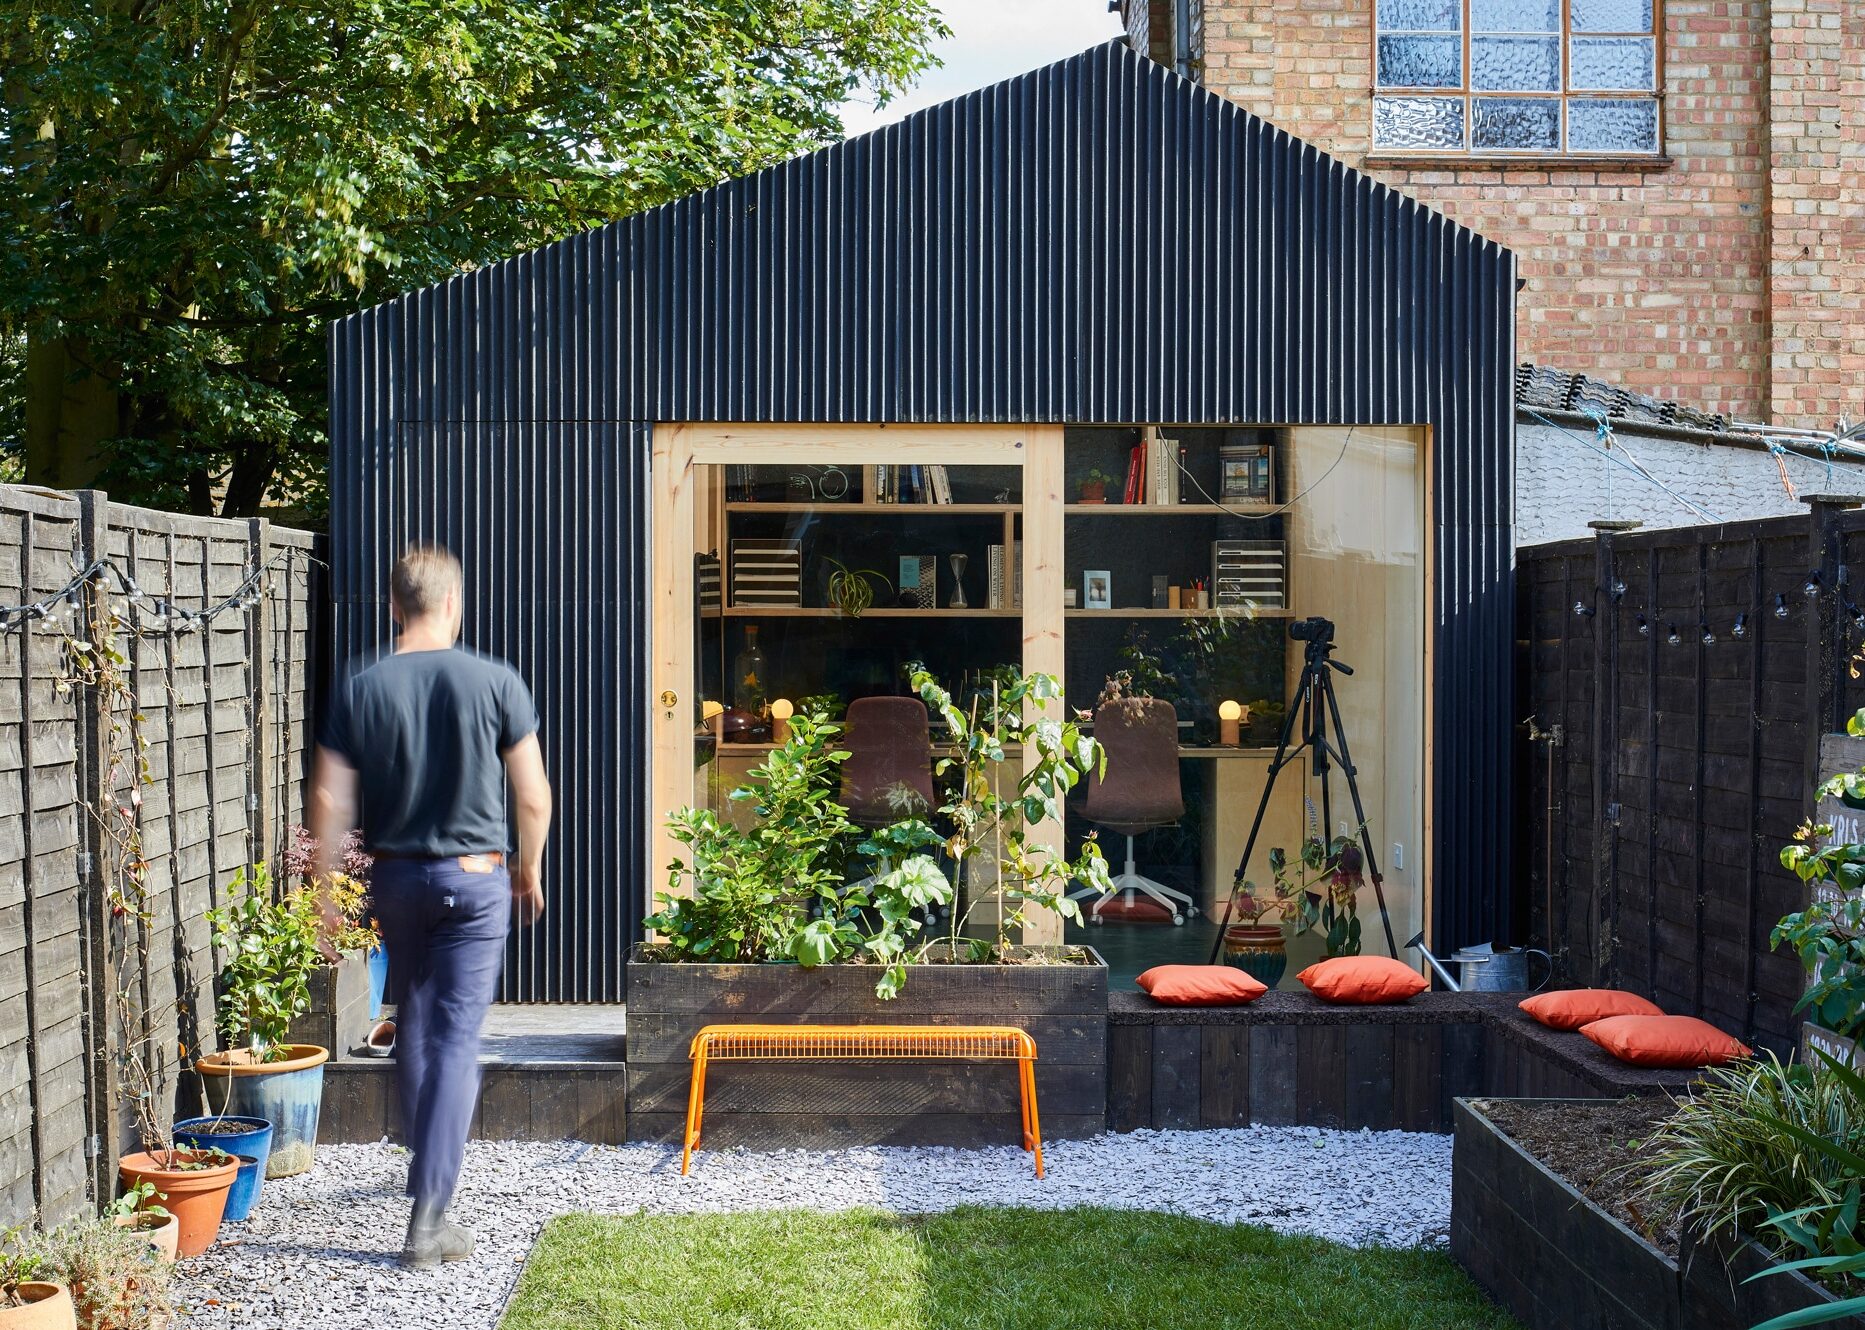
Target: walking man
{"points": [[421, 745]]}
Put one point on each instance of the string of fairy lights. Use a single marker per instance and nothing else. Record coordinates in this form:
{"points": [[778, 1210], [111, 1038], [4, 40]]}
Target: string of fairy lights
{"points": [[150, 615], [1780, 606]]}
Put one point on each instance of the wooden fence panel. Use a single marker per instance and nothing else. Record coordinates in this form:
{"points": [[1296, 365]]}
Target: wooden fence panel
{"points": [[198, 814], [1709, 674]]}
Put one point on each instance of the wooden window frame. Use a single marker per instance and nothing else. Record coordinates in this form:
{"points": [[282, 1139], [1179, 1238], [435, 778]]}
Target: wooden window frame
{"points": [[1565, 95]]}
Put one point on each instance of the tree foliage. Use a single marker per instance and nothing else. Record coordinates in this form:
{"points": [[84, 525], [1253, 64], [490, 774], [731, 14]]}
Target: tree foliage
{"points": [[194, 187]]}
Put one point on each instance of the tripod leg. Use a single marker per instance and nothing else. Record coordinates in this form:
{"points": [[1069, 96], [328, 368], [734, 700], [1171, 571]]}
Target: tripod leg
{"points": [[1283, 757], [1359, 811]]}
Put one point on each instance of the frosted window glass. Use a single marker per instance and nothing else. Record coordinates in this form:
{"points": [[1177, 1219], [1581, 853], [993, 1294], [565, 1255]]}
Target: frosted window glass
{"points": [[1515, 15], [1613, 62], [1419, 61], [1612, 15], [1418, 122], [1515, 64], [1421, 15], [1528, 124], [1612, 124]]}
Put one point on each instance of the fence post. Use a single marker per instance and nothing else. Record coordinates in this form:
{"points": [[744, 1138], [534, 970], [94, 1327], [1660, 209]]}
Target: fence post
{"points": [[259, 797], [94, 866], [1604, 612]]}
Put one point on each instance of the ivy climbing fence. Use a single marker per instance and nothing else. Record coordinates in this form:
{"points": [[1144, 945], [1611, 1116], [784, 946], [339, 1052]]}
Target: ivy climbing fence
{"points": [[157, 673], [1676, 690]]}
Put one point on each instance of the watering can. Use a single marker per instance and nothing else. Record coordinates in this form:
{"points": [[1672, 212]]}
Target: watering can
{"points": [[1484, 969]]}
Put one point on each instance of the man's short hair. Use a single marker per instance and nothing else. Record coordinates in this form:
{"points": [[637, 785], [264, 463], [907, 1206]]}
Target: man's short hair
{"points": [[422, 578]]}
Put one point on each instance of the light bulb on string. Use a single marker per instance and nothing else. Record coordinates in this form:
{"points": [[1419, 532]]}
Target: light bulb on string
{"points": [[1812, 587], [1741, 626], [1582, 610], [1644, 626], [1618, 590], [1672, 635], [1709, 636], [1780, 605]]}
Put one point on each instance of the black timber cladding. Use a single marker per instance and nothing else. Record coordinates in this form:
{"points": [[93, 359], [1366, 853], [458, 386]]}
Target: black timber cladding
{"points": [[1099, 241]]}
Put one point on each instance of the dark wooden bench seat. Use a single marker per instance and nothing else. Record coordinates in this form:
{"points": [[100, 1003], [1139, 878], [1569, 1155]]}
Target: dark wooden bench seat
{"points": [[1290, 1059]]}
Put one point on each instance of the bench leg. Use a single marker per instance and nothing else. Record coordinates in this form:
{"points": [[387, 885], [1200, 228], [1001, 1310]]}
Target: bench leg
{"points": [[695, 1110], [1029, 1112]]}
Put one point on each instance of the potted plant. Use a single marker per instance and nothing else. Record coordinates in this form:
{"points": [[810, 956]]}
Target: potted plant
{"points": [[248, 1140], [273, 945], [1094, 483], [29, 1299], [1252, 945], [117, 1279], [347, 994], [140, 1210], [798, 882], [849, 588]]}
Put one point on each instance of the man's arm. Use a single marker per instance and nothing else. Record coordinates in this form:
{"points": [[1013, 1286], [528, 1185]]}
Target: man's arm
{"points": [[524, 767]]}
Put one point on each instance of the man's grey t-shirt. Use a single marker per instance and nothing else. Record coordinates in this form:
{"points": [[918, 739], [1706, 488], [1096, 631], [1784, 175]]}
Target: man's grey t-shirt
{"points": [[427, 732]]}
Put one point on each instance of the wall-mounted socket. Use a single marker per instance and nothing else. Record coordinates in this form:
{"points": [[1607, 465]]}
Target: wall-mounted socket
{"points": [[1398, 856]]}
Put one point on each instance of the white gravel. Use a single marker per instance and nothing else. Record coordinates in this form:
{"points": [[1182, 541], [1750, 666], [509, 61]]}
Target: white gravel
{"points": [[319, 1251]]}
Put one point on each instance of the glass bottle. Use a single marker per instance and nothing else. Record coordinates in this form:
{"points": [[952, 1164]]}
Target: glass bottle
{"points": [[748, 683]]}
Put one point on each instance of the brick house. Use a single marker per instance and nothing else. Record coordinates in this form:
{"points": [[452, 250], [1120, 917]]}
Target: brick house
{"points": [[1683, 181]]}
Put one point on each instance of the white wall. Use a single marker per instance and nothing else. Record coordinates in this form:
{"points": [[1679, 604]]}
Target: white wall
{"points": [[1561, 484]]}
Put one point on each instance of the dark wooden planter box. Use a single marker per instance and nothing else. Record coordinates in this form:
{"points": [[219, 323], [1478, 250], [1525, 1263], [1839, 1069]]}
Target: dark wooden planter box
{"points": [[785, 1104], [339, 1016], [1556, 1261]]}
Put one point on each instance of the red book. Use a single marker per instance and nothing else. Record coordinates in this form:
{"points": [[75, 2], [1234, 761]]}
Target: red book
{"points": [[1134, 477]]}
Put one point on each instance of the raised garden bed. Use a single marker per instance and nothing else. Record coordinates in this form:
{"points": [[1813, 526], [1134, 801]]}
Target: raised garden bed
{"points": [[780, 1105], [1558, 1258]]}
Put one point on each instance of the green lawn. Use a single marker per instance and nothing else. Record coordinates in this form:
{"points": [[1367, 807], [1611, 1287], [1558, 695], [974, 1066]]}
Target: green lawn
{"points": [[975, 1269]]}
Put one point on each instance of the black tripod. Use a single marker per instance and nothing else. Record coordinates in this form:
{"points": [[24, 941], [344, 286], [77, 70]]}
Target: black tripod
{"points": [[1316, 709]]}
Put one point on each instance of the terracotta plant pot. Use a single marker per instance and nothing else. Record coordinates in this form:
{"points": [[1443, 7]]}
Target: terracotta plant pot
{"points": [[161, 1230], [286, 1093], [1258, 950], [1094, 491], [48, 1307], [196, 1197]]}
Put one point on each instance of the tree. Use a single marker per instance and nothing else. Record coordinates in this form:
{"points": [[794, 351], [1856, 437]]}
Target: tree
{"points": [[193, 188]]}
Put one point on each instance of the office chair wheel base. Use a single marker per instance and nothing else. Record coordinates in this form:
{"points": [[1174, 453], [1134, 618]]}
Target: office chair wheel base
{"points": [[1178, 921]]}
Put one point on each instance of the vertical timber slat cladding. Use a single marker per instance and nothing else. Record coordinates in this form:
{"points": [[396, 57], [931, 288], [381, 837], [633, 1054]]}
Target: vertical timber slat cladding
{"points": [[62, 1112], [1098, 241], [1710, 759]]}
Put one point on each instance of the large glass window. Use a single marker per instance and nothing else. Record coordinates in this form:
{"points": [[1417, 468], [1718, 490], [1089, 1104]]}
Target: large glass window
{"points": [[1189, 554], [1516, 76]]}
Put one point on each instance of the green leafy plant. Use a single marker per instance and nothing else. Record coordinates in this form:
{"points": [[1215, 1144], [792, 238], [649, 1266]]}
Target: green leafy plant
{"points": [[272, 946], [1737, 1152], [1829, 935], [21, 1262], [1321, 887], [141, 1199], [1829, 1233], [117, 1279], [991, 812], [750, 885], [849, 588]]}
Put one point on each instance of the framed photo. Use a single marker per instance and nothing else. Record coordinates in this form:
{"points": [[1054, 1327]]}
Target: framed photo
{"points": [[1097, 589], [1247, 472]]}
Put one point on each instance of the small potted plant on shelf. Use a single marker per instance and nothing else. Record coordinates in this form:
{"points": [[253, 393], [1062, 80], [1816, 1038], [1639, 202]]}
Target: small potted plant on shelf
{"points": [[1094, 483], [29, 1298], [274, 945], [849, 589]]}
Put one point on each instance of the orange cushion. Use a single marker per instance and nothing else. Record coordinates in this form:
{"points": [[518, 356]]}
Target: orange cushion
{"points": [[1572, 1008], [1363, 979], [1664, 1041], [1201, 985]]}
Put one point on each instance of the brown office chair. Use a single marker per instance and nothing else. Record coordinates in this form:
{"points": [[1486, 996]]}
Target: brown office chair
{"points": [[888, 774], [1139, 792]]}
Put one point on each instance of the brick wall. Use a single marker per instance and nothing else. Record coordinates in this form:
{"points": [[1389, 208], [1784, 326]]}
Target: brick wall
{"points": [[1684, 281]]}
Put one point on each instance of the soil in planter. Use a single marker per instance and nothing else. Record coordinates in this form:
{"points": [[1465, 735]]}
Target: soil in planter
{"points": [[1590, 1145]]}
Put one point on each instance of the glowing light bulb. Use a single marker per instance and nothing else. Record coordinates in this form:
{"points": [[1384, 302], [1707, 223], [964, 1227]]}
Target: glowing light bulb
{"points": [[1230, 722], [781, 711]]}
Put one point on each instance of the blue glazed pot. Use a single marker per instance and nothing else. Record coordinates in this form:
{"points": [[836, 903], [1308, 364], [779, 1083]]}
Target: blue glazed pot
{"points": [[251, 1148], [286, 1093], [377, 959]]}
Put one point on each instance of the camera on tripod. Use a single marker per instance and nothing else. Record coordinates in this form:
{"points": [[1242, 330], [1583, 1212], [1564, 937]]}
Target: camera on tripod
{"points": [[1312, 629]]}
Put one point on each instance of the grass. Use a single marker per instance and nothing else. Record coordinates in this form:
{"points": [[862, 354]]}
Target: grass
{"points": [[975, 1269]]}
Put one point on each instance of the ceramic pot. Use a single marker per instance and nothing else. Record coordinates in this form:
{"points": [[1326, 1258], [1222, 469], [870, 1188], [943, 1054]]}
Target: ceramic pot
{"points": [[246, 1139], [377, 959], [1094, 491], [47, 1307], [286, 1093], [161, 1230], [1258, 950], [197, 1197]]}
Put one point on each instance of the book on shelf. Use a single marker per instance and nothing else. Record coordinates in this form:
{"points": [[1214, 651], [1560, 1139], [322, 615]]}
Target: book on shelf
{"points": [[1005, 585]]}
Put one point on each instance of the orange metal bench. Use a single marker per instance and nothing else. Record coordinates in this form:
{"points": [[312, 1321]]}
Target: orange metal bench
{"points": [[755, 1043]]}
